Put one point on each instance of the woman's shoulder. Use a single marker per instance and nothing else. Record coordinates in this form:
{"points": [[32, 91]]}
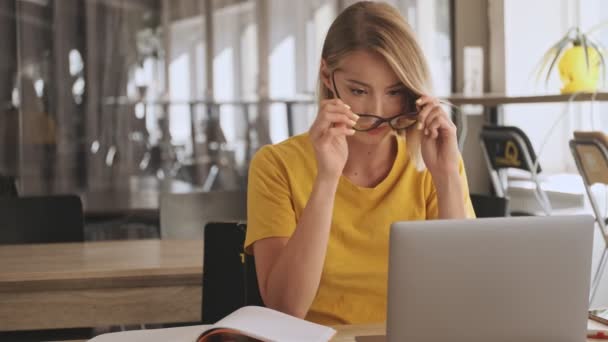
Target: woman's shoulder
{"points": [[289, 150], [296, 144], [289, 153]]}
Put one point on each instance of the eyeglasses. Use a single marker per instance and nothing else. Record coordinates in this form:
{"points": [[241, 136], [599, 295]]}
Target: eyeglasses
{"points": [[368, 122]]}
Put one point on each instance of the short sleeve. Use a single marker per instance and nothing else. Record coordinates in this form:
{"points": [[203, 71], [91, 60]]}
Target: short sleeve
{"points": [[270, 211], [432, 208]]}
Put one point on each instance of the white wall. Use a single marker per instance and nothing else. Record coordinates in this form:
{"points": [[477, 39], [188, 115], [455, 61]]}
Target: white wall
{"points": [[531, 27]]}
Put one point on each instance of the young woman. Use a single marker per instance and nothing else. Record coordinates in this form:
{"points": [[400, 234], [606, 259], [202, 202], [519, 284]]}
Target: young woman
{"points": [[381, 150]]}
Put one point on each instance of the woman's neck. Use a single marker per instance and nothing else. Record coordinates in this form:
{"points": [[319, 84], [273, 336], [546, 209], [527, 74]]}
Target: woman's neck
{"points": [[368, 165]]}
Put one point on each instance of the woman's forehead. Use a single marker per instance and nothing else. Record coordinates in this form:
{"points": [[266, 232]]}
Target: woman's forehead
{"points": [[368, 67]]}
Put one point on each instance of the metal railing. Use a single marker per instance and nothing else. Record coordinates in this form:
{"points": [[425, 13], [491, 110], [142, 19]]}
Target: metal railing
{"points": [[209, 152]]}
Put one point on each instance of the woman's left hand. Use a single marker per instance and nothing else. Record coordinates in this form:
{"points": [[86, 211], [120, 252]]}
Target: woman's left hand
{"points": [[439, 142]]}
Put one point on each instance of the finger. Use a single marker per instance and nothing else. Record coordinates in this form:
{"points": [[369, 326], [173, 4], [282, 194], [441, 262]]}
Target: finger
{"points": [[340, 108], [435, 125], [328, 119], [338, 118], [430, 120], [423, 116], [435, 109], [425, 100], [440, 125], [334, 101]]}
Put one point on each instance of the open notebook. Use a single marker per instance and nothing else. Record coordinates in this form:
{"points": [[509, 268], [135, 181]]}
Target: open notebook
{"points": [[251, 323]]}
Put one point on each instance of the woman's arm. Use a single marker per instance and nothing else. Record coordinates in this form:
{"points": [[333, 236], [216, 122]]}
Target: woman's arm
{"points": [[440, 153], [450, 196], [289, 269]]}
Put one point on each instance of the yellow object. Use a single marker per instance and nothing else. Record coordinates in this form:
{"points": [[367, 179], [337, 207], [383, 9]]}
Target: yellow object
{"points": [[511, 157], [574, 73], [353, 285]]}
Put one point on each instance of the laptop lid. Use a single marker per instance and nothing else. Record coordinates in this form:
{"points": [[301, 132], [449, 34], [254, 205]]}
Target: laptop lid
{"points": [[497, 279]]}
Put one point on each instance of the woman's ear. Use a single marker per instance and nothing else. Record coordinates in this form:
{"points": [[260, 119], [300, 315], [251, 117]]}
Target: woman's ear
{"points": [[325, 75]]}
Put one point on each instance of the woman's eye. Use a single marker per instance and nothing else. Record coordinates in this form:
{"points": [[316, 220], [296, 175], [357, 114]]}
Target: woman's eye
{"points": [[395, 92], [357, 91]]}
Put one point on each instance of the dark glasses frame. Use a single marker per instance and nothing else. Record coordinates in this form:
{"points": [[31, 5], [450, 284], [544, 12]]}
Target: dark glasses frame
{"points": [[379, 120]]}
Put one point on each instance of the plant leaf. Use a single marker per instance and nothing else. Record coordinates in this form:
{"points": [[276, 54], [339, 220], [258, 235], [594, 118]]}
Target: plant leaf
{"points": [[560, 48], [584, 41], [597, 27], [542, 64]]}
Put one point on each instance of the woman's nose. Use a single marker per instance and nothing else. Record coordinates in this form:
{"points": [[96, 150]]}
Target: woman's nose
{"points": [[377, 107]]}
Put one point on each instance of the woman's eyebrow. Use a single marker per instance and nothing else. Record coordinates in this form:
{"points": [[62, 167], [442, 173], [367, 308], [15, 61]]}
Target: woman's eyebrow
{"points": [[398, 84], [359, 83]]}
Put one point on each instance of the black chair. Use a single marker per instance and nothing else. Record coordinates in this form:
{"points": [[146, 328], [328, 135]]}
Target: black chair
{"points": [[229, 275], [41, 219], [490, 206], [508, 147], [7, 187]]}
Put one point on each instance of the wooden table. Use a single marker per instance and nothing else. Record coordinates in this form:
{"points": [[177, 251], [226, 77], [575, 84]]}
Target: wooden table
{"points": [[347, 333], [100, 283]]}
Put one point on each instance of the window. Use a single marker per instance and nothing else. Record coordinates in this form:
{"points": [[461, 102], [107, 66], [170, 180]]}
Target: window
{"points": [[549, 126]]}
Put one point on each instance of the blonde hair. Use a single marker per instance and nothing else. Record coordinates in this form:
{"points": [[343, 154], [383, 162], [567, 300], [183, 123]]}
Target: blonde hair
{"points": [[378, 27]]}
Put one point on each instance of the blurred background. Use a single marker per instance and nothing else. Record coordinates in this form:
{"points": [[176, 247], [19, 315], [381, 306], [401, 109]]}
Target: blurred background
{"points": [[98, 93], [136, 120], [122, 100]]}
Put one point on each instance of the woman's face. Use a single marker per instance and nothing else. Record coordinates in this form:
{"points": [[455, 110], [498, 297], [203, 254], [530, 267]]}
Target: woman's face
{"points": [[366, 82]]}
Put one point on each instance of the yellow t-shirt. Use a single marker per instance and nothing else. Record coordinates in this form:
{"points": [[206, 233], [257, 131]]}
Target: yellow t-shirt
{"points": [[353, 287]]}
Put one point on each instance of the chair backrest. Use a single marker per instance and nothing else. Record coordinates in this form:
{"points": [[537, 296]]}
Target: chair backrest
{"points": [[183, 215], [490, 206], [590, 151], [508, 147], [41, 219], [7, 187], [229, 276]]}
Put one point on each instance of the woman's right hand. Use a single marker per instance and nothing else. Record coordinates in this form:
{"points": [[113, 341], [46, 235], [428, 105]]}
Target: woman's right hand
{"points": [[328, 135]]}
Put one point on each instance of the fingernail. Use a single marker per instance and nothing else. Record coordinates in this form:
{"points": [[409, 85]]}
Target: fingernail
{"points": [[419, 101], [357, 117], [426, 132], [420, 126], [353, 122], [347, 106]]}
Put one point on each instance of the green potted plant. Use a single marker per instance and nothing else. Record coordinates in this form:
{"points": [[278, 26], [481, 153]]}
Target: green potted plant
{"points": [[580, 60]]}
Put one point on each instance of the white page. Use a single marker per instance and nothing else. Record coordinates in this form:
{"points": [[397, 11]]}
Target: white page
{"points": [[179, 334], [270, 325], [257, 322]]}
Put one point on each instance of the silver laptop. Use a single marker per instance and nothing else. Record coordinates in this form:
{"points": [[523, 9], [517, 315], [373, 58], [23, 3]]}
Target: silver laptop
{"points": [[504, 279], [599, 273]]}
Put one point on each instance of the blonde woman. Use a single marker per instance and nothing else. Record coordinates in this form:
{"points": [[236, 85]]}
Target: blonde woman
{"points": [[381, 150]]}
